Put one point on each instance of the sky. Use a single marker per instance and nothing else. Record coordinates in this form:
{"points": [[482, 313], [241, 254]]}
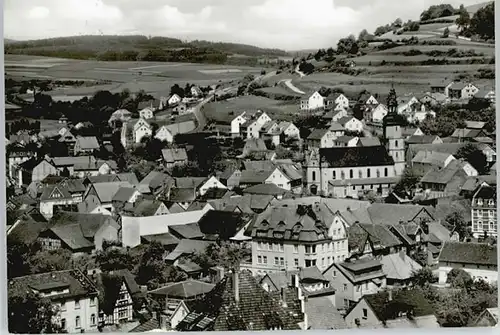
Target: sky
{"points": [[283, 24]]}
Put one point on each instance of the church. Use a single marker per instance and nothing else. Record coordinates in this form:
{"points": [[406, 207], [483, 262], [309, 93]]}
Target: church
{"points": [[352, 172]]}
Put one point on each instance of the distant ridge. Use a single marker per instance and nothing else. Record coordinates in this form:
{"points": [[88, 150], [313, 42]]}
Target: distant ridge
{"points": [[472, 9]]}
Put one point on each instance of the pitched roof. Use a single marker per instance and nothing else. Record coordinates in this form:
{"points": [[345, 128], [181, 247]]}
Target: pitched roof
{"points": [[369, 142], [360, 270], [174, 155], [322, 314], [124, 194], [128, 176], [381, 213], [155, 179], [180, 127], [399, 266], [146, 207], [335, 126], [469, 253], [267, 189], [187, 246], [87, 143], [402, 301], [187, 231], [317, 134], [187, 289], [189, 182], [343, 120], [421, 139], [254, 177], [217, 310], [355, 156], [71, 161], [444, 175], [58, 191], [475, 124], [76, 281], [247, 203], [106, 191], [381, 234], [433, 158]]}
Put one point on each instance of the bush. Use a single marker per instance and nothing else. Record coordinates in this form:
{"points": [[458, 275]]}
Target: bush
{"points": [[438, 42]]}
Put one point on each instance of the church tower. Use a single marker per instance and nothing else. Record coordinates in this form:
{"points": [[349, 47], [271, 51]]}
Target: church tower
{"points": [[393, 133]]}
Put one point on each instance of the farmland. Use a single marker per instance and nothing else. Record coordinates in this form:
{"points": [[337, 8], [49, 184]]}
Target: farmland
{"points": [[154, 77]]}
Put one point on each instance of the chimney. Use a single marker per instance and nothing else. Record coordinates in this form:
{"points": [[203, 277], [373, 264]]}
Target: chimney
{"points": [[283, 297], [390, 295], [236, 286]]}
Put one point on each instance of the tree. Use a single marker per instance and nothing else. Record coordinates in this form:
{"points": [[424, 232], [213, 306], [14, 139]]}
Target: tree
{"points": [[176, 89], [474, 156], [407, 183], [398, 23], [463, 21], [454, 311], [483, 22], [413, 26], [31, 314], [52, 260], [225, 254], [114, 259], [459, 278], [446, 33], [456, 221], [17, 258], [423, 277], [363, 35], [347, 45]]}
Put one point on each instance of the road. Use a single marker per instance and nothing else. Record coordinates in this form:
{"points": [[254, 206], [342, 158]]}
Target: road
{"points": [[197, 110], [288, 83]]}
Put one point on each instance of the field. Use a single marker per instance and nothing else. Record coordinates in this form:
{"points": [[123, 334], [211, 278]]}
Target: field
{"points": [[251, 103], [154, 78]]}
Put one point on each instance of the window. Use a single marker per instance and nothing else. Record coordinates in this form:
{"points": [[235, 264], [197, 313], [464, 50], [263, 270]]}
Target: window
{"points": [[77, 304], [296, 249], [276, 261], [386, 172], [345, 287], [314, 175], [269, 247], [63, 324], [282, 261], [308, 263], [313, 262], [491, 213], [323, 262], [92, 301], [358, 288], [320, 248], [264, 259], [368, 173], [334, 273], [378, 173], [329, 260], [334, 175], [77, 322], [296, 262], [313, 249], [308, 249], [351, 174], [486, 227], [396, 143], [480, 202], [92, 319], [260, 246], [365, 313], [490, 202], [259, 259]]}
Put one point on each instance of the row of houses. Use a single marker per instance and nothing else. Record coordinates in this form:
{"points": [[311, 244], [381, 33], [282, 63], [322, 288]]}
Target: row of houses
{"points": [[457, 90]]}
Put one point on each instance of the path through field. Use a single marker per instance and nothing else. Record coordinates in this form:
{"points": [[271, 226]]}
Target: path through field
{"points": [[288, 83]]}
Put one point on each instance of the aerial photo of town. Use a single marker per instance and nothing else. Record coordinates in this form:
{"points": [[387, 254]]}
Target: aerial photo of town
{"points": [[192, 167]]}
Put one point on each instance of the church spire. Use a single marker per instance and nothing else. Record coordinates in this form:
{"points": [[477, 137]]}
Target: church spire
{"points": [[392, 101]]}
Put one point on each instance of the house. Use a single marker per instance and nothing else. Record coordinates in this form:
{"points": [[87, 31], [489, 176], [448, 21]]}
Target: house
{"points": [[425, 160], [250, 178], [347, 163], [70, 291], [423, 139], [230, 177], [86, 145], [249, 203], [409, 104], [368, 99], [18, 156], [254, 145], [53, 195], [119, 117], [166, 133], [459, 90], [354, 279], [350, 123], [66, 165], [441, 87], [34, 170], [210, 183], [399, 269], [375, 113], [337, 100], [174, 99], [313, 101], [409, 131], [226, 122], [486, 93], [393, 309], [286, 176], [196, 92], [289, 130], [146, 207], [477, 259], [174, 157], [217, 310], [316, 237], [69, 140], [78, 232], [155, 183], [254, 122], [440, 182], [179, 298], [488, 318], [323, 138], [368, 240], [484, 211], [118, 290], [104, 193], [346, 141], [142, 129], [124, 196], [153, 104], [465, 134], [146, 113]]}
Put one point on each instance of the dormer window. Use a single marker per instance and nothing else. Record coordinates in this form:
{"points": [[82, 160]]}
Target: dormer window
{"points": [[491, 202], [480, 202]]}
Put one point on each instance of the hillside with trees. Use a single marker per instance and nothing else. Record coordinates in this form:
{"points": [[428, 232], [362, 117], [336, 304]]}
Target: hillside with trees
{"points": [[136, 48]]}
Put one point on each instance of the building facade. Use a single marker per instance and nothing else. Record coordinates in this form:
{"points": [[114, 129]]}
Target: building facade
{"points": [[393, 134], [484, 211]]}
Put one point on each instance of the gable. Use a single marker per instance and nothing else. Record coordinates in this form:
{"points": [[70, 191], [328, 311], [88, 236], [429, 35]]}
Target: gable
{"points": [[56, 193]]}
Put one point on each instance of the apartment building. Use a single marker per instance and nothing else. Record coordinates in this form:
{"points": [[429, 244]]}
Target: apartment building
{"points": [[484, 211]]}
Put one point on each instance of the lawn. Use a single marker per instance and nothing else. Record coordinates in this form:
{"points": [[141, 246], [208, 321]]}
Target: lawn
{"points": [[488, 51]]}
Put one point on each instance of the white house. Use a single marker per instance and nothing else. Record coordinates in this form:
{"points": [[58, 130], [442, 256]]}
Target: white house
{"points": [[371, 101], [289, 130], [486, 93], [350, 123], [196, 92], [146, 113], [338, 99], [406, 105], [255, 123], [236, 123], [141, 128], [212, 182], [478, 259], [174, 99], [164, 134], [376, 114], [312, 102], [484, 211], [459, 90], [287, 177]]}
